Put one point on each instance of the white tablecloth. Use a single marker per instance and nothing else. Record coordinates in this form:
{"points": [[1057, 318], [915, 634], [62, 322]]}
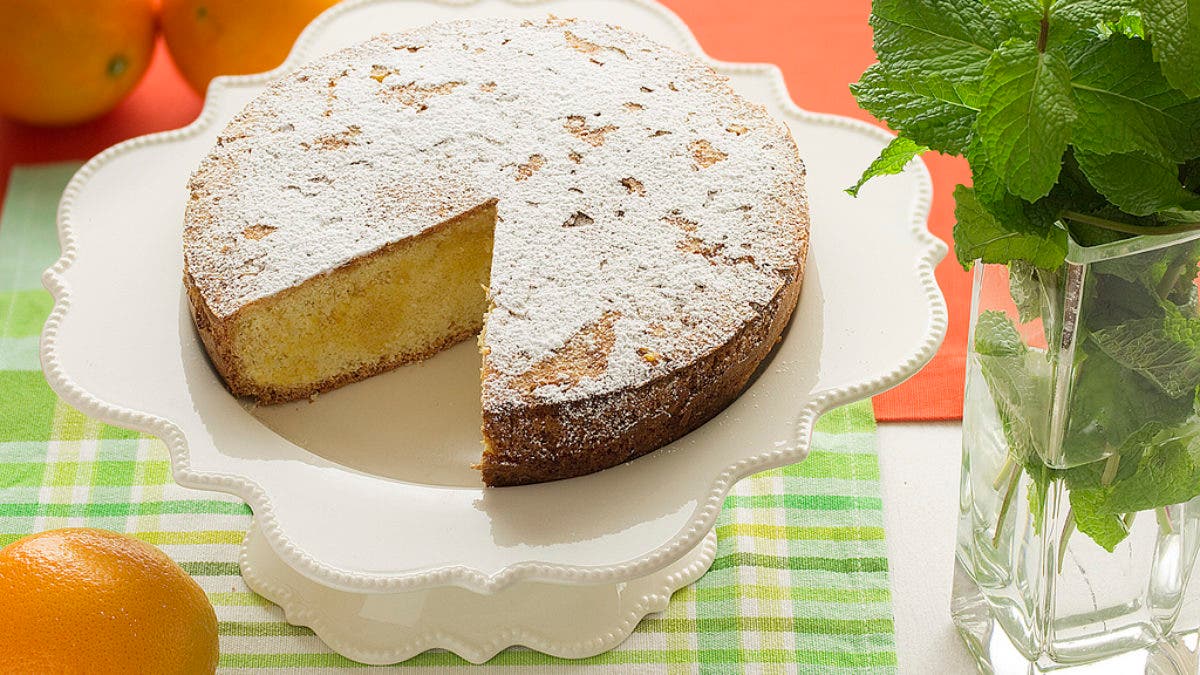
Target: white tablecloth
{"points": [[919, 465]]}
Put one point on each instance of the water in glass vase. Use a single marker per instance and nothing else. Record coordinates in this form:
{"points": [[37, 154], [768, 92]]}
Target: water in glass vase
{"points": [[1079, 523]]}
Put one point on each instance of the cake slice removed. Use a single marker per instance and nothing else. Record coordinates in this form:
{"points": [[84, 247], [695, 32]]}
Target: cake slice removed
{"points": [[403, 303]]}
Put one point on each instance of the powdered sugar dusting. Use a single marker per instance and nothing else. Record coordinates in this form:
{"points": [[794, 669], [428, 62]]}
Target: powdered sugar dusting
{"points": [[645, 211]]}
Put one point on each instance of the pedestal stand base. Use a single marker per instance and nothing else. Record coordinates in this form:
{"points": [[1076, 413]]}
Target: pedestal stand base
{"points": [[381, 628]]}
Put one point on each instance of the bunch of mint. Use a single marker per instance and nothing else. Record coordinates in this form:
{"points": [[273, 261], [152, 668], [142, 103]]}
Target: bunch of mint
{"points": [[1073, 114], [1080, 119]]}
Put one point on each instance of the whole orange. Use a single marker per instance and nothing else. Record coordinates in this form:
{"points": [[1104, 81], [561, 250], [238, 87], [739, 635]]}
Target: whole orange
{"points": [[67, 61], [84, 600], [233, 37]]}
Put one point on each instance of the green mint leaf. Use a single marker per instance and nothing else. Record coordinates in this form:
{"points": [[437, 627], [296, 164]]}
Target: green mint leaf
{"points": [[1063, 18], [991, 191], [1099, 474], [1168, 472], [1040, 476], [1025, 116], [1088, 14], [1106, 529], [1013, 230], [1136, 182], [942, 46], [892, 159], [964, 24], [995, 335], [1162, 469], [1109, 404], [932, 54], [1026, 13], [1025, 289], [908, 107], [1035, 292], [1073, 190], [1063, 13], [1174, 30], [1124, 103], [1129, 25], [1020, 390], [1189, 212], [1018, 380], [987, 182], [1121, 290], [1165, 351]]}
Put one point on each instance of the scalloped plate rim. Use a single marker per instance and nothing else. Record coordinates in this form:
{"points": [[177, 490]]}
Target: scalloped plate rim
{"points": [[703, 517]]}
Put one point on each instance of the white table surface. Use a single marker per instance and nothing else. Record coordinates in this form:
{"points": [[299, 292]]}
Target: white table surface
{"points": [[919, 465]]}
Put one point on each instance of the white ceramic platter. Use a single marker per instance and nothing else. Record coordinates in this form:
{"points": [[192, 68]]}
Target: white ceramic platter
{"points": [[368, 490]]}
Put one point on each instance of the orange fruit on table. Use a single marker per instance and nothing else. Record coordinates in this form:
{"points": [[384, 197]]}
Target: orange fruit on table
{"points": [[208, 38], [83, 600], [67, 61]]}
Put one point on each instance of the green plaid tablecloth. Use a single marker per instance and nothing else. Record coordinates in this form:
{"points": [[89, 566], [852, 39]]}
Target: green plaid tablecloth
{"points": [[800, 582]]}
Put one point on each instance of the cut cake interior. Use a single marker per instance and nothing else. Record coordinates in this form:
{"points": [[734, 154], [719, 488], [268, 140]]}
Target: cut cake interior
{"points": [[401, 304]]}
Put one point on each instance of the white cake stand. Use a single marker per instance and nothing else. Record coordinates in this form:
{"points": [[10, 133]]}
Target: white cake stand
{"points": [[369, 526]]}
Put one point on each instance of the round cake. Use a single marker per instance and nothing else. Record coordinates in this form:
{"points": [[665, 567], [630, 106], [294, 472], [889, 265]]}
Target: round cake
{"points": [[624, 232]]}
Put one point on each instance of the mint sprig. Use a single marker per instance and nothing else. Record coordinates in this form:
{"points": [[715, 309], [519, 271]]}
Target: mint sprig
{"points": [[1026, 88], [893, 159]]}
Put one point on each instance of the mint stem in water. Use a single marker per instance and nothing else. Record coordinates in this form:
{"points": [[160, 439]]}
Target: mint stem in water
{"points": [[1170, 279], [1164, 520], [1008, 498], [1004, 471], [1111, 465], [1068, 530]]}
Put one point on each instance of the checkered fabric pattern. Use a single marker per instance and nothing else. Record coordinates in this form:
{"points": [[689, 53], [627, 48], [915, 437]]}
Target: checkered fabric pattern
{"points": [[800, 582]]}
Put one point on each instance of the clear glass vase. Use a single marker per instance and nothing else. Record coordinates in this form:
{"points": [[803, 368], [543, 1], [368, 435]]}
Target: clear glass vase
{"points": [[1079, 517]]}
